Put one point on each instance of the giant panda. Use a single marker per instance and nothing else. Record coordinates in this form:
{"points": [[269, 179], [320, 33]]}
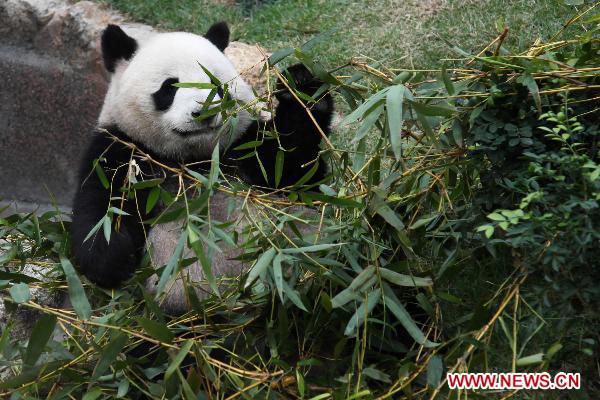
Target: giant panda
{"points": [[143, 107]]}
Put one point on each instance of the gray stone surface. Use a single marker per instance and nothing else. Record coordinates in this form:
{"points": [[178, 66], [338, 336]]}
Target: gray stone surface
{"points": [[52, 89], [47, 110], [53, 84]]}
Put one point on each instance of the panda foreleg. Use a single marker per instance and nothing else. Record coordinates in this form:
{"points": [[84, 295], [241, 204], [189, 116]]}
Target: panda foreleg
{"points": [[298, 136], [105, 263]]}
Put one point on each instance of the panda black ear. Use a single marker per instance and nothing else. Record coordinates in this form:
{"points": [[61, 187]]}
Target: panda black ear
{"points": [[218, 34], [116, 45]]}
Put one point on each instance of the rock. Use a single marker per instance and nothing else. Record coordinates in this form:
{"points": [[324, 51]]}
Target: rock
{"points": [[20, 319], [23, 318], [53, 87], [249, 61]]}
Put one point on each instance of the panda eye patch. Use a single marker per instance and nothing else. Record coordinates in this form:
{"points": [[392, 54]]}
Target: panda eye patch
{"points": [[163, 97]]}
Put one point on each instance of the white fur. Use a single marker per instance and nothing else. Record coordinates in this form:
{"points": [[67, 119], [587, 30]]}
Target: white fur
{"points": [[129, 103]]}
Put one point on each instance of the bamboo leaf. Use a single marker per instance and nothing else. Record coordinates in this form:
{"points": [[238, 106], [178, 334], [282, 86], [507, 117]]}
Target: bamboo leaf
{"points": [[311, 249], [447, 82], [41, 333], [309, 174], [278, 167], [300, 382], [156, 329], [279, 55], [369, 120], [363, 312], [404, 280], [394, 100], [338, 201], [347, 295], [95, 229], [115, 210], [201, 178], [168, 271], [198, 248], [533, 359], [123, 388], [249, 145], [293, 296], [278, 274], [376, 374], [79, 300], [195, 85], [109, 353], [396, 307], [260, 266], [150, 183], [364, 107], [213, 79], [423, 221], [152, 199], [432, 110], [435, 370], [107, 227], [362, 282], [20, 293], [390, 216], [92, 394], [177, 360], [214, 166], [101, 175]]}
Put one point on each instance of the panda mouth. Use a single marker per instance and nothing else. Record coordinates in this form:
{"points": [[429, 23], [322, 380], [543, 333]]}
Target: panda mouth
{"points": [[194, 132]]}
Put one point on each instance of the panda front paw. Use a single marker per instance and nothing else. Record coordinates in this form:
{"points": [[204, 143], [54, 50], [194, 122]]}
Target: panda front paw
{"points": [[108, 264], [305, 82]]}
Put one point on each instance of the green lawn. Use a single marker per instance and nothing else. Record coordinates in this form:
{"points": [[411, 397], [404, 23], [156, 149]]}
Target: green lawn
{"points": [[400, 33]]}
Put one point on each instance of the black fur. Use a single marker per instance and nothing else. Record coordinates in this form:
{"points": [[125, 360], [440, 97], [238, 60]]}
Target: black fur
{"points": [[163, 97], [298, 136], [108, 264], [116, 45], [218, 34]]}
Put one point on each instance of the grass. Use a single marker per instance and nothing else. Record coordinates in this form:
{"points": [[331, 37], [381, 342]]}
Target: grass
{"points": [[395, 33], [409, 33]]}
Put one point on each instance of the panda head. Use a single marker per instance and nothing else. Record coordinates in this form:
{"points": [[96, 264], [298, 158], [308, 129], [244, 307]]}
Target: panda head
{"points": [[142, 101]]}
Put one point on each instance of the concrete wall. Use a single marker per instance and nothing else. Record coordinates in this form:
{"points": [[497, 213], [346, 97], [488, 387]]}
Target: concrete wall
{"points": [[51, 90]]}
